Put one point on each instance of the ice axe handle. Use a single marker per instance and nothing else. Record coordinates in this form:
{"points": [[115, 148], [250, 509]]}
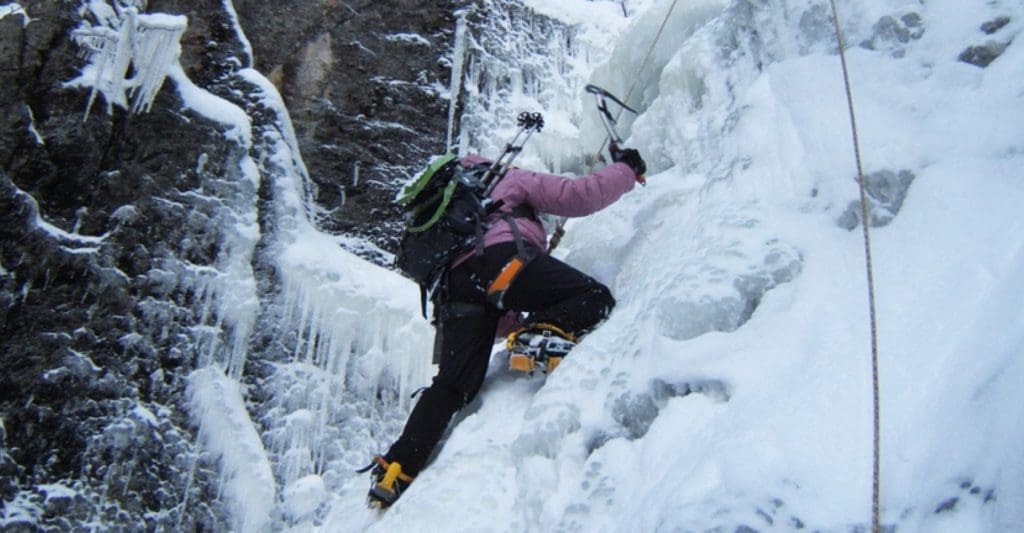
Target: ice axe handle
{"points": [[613, 148]]}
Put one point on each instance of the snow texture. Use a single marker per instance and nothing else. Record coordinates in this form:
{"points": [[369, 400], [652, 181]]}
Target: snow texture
{"points": [[730, 390], [227, 433]]}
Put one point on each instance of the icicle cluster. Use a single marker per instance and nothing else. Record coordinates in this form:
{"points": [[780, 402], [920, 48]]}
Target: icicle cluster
{"points": [[129, 53], [518, 61]]}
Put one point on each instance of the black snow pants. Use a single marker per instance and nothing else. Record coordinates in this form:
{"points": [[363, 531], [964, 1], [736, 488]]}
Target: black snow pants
{"points": [[549, 290]]}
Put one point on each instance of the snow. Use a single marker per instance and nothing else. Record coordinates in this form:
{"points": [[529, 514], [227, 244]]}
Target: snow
{"points": [[229, 7], [32, 128], [731, 387], [304, 496], [71, 242], [214, 108], [408, 38], [14, 8], [226, 431]]}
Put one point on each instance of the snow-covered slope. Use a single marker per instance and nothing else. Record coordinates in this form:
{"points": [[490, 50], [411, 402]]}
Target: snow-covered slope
{"points": [[731, 388]]}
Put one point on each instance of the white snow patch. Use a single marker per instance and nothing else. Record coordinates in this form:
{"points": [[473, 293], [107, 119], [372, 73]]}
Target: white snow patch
{"points": [[411, 38], [303, 496], [14, 8], [216, 406], [229, 6]]}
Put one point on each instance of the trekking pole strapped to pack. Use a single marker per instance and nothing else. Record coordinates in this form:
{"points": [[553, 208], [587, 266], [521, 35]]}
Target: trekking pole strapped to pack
{"points": [[528, 124]]}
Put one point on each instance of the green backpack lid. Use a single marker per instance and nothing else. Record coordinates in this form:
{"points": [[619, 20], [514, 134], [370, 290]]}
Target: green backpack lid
{"points": [[416, 187]]}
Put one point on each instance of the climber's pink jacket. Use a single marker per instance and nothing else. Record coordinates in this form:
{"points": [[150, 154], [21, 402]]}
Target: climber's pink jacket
{"points": [[552, 194]]}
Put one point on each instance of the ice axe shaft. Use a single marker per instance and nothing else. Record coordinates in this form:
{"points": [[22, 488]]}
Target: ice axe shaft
{"points": [[602, 96], [614, 139]]}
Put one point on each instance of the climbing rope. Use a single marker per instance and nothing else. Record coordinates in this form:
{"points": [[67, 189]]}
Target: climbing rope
{"points": [[643, 65], [875, 474], [559, 232]]}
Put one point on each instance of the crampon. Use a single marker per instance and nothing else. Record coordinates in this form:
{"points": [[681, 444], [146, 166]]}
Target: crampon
{"points": [[539, 347], [387, 484]]}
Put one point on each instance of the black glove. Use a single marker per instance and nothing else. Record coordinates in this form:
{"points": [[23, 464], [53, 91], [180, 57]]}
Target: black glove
{"points": [[630, 157]]}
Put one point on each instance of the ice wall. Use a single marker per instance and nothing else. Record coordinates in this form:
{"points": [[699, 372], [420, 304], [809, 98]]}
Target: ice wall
{"points": [[349, 344], [731, 387], [522, 59]]}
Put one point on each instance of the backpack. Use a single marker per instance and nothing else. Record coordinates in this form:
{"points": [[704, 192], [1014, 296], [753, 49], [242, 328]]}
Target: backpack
{"points": [[445, 208]]}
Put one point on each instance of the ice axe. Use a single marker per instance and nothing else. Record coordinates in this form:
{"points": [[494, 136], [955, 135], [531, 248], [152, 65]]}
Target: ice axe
{"points": [[614, 140]]}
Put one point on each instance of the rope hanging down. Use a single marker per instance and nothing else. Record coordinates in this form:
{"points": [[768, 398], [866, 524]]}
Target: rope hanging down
{"points": [[876, 526], [559, 232], [876, 418]]}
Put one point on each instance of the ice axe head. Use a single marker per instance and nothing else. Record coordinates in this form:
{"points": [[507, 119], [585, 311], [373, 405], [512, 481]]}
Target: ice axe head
{"points": [[602, 96]]}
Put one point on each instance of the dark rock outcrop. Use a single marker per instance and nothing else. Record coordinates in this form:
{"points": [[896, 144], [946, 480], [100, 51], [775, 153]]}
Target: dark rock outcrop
{"points": [[115, 229], [362, 81]]}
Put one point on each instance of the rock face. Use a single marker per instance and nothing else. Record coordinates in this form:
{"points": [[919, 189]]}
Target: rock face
{"points": [[363, 82], [120, 233]]}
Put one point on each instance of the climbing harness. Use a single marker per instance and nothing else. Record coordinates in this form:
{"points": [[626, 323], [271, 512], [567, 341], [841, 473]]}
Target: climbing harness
{"points": [[876, 526]]}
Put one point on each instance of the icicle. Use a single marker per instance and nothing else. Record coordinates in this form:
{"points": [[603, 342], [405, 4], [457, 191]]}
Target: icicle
{"points": [[154, 49], [456, 82], [147, 42]]}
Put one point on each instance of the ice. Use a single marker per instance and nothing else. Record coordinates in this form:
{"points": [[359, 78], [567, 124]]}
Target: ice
{"points": [[731, 387], [543, 69], [155, 48], [227, 290], [357, 346], [455, 88], [414, 39], [148, 43], [229, 7], [226, 432], [304, 496], [71, 242]]}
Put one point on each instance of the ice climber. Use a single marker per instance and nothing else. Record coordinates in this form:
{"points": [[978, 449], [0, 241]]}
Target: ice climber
{"points": [[512, 289]]}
